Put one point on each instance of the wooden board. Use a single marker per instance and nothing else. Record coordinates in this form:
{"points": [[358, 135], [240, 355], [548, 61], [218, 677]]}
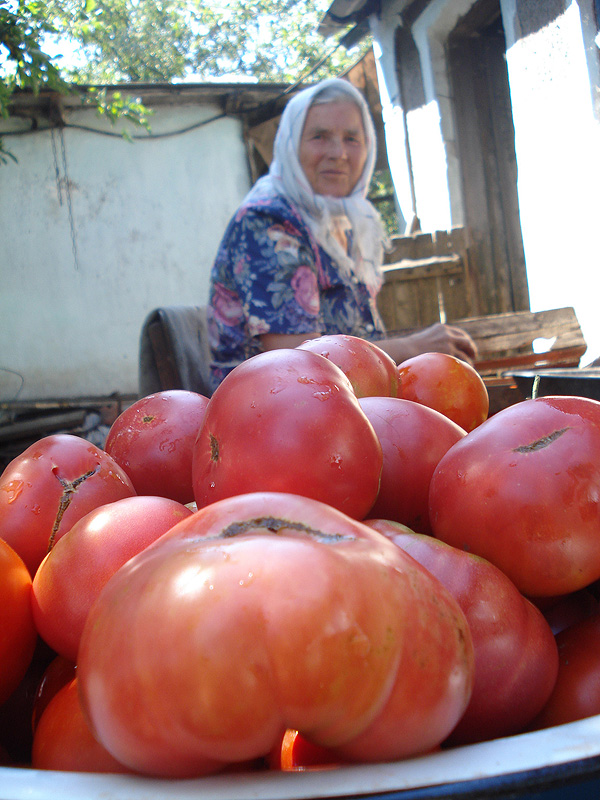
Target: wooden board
{"points": [[505, 341], [420, 291]]}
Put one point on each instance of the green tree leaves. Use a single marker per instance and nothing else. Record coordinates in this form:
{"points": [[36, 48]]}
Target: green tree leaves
{"points": [[151, 41]]}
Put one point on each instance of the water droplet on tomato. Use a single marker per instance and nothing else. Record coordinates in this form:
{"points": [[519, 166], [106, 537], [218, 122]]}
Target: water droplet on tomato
{"points": [[13, 489], [247, 581]]}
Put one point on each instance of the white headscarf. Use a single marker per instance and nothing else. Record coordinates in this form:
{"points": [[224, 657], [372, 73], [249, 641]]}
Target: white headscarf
{"points": [[324, 214]]}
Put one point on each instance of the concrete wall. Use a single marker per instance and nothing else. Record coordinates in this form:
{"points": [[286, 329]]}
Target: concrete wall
{"points": [[93, 240], [553, 67]]}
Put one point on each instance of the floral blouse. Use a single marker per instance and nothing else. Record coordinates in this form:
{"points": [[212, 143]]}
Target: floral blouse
{"points": [[270, 276]]}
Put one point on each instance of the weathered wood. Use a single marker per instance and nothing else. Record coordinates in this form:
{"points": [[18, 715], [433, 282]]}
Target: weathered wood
{"points": [[420, 268], [42, 425], [423, 245], [505, 341], [484, 140], [431, 288]]}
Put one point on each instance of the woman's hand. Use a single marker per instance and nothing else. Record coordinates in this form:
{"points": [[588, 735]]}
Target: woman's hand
{"points": [[437, 338]]}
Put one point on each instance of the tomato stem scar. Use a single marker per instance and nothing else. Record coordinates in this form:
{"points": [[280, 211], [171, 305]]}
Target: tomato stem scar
{"points": [[69, 489], [540, 443], [274, 525], [214, 448]]}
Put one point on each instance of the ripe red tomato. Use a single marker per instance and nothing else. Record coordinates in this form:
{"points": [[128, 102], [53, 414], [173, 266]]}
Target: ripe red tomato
{"points": [[371, 371], [57, 674], [288, 421], [63, 740], [295, 753], [567, 609], [413, 439], [17, 631], [516, 659], [306, 612], [51, 485], [576, 693], [16, 712], [523, 491], [71, 576], [153, 440], [448, 385]]}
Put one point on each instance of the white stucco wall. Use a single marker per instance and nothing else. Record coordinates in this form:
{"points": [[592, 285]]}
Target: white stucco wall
{"points": [[557, 143], [147, 219]]}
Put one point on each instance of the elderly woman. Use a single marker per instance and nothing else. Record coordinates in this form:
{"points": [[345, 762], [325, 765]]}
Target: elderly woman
{"points": [[302, 256]]}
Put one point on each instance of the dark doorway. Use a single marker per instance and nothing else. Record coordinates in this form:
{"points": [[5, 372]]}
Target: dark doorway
{"points": [[486, 148]]}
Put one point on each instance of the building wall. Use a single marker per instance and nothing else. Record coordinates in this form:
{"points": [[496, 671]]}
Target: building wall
{"points": [[553, 67], [96, 235], [557, 141]]}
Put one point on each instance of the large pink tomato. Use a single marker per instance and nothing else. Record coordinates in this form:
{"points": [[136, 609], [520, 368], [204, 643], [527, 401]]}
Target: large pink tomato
{"points": [[288, 421], [153, 440], [523, 491], [71, 576], [371, 371], [264, 612], [516, 658], [413, 438], [52, 484]]}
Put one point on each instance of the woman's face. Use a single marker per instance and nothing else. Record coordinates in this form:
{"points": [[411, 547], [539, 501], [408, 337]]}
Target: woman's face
{"points": [[333, 147]]}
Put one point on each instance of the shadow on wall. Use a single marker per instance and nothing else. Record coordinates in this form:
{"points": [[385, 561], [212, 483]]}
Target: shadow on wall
{"points": [[533, 15]]}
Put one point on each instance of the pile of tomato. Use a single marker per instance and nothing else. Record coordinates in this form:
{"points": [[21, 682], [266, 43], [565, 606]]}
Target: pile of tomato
{"points": [[332, 560]]}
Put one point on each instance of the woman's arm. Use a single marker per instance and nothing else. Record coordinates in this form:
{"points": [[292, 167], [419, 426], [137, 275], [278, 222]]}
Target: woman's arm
{"points": [[276, 341], [437, 338]]}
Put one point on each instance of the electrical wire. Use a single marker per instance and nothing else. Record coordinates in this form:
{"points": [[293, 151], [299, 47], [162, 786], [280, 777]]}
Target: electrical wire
{"points": [[180, 131], [19, 376]]}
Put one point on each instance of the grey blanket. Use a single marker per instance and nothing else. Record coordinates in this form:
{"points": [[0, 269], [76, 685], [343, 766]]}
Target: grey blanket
{"points": [[174, 351]]}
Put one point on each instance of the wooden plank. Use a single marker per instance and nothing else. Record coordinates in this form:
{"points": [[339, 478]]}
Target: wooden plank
{"points": [[433, 289], [414, 246], [517, 330], [417, 269], [565, 357], [41, 425], [505, 341]]}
